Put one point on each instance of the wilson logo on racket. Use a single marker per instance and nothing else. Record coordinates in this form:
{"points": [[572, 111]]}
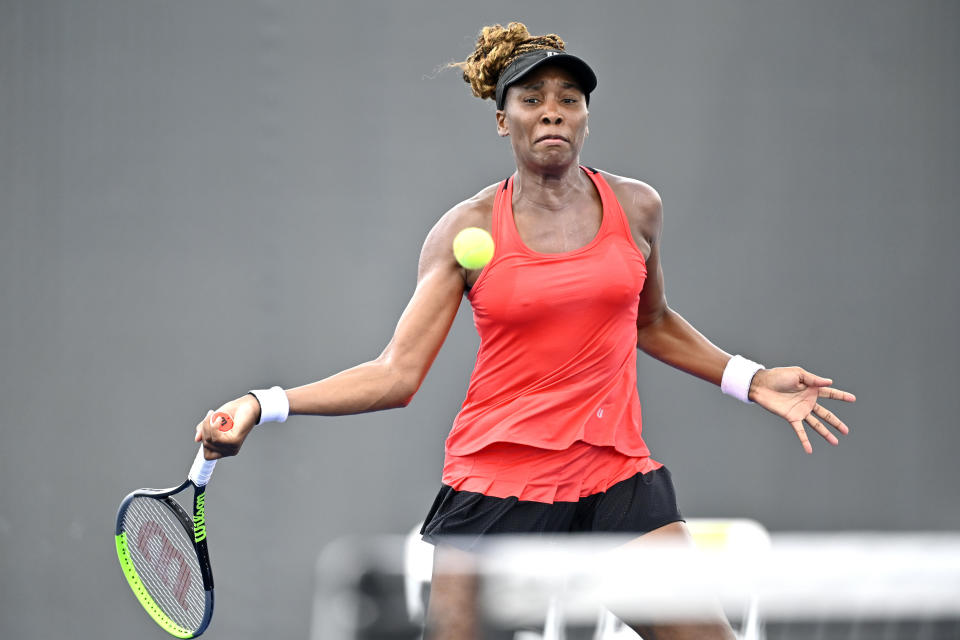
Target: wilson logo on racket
{"points": [[199, 519], [162, 558]]}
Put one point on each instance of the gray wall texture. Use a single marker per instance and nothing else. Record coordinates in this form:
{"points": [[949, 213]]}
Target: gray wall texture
{"points": [[202, 197]]}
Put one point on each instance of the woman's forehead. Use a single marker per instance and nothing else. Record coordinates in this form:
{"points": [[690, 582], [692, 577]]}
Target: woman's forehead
{"points": [[548, 74]]}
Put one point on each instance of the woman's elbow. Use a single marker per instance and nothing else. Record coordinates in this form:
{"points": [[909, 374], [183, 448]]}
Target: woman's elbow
{"points": [[404, 388], [650, 326]]}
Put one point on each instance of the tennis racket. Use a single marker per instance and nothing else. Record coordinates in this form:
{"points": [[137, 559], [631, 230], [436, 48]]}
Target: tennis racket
{"points": [[163, 550]]}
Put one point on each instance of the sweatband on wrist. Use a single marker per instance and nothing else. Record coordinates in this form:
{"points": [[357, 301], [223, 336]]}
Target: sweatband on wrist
{"points": [[737, 376], [274, 405]]}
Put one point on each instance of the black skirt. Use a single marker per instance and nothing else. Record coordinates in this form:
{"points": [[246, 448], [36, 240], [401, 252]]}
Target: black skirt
{"points": [[637, 505]]}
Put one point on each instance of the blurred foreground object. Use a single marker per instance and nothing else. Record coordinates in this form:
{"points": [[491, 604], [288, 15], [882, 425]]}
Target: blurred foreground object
{"points": [[850, 585]]}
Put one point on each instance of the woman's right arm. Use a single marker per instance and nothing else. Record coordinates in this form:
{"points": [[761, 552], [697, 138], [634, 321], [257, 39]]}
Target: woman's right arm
{"points": [[390, 380]]}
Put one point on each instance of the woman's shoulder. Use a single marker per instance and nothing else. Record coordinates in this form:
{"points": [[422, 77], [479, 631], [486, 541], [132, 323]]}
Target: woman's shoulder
{"points": [[640, 203], [635, 194], [475, 211]]}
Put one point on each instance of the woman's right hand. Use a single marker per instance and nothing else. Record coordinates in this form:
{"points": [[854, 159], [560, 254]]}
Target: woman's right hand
{"points": [[245, 412]]}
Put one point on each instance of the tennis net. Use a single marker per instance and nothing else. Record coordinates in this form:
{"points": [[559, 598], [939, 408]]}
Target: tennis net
{"points": [[791, 585]]}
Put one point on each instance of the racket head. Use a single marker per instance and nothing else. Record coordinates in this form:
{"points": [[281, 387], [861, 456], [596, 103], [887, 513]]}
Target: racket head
{"points": [[163, 552]]}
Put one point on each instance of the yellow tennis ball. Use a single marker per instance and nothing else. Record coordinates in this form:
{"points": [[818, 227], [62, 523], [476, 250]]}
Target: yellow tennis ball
{"points": [[473, 248]]}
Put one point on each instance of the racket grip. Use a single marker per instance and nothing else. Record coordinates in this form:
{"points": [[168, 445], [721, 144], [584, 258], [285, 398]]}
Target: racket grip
{"points": [[201, 470]]}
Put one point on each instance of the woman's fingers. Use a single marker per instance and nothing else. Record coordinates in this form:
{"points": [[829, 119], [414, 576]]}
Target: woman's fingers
{"points": [[825, 414], [217, 443], [836, 394], [819, 427], [802, 434], [198, 437], [813, 380], [822, 430]]}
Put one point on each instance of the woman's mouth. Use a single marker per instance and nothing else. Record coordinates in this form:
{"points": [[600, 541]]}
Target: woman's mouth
{"points": [[552, 139]]}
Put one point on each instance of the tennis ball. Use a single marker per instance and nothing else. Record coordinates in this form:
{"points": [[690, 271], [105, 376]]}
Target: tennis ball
{"points": [[473, 248]]}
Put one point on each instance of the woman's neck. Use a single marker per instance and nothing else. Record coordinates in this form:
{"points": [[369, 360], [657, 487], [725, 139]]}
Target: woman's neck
{"points": [[548, 189]]}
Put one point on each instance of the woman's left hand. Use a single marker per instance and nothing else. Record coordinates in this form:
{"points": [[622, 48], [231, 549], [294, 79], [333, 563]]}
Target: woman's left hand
{"points": [[793, 394]]}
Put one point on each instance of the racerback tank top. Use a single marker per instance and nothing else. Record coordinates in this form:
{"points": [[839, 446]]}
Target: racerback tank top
{"points": [[557, 357]]}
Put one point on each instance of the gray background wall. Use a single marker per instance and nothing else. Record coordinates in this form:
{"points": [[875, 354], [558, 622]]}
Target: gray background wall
{"points": [[198, 198]]}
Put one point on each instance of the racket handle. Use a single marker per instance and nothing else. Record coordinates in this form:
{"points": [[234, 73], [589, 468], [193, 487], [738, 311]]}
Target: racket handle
{"points": [[201, 470]]}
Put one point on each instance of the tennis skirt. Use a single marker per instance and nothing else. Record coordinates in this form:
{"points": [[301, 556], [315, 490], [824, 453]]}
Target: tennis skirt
{"points": [[636, 505]]}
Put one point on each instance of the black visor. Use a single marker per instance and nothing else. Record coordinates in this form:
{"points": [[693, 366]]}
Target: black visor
{"points": [[527, 62]]}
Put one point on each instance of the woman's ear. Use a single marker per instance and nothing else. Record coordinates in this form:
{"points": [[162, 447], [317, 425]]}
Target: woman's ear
{"points": [[502, 130]]}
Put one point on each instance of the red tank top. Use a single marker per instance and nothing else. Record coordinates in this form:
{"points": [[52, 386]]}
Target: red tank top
{"points": [[558, 333]]}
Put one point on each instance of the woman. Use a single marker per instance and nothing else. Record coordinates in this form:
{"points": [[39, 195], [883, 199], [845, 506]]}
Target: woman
{"points": [[549, 435]]}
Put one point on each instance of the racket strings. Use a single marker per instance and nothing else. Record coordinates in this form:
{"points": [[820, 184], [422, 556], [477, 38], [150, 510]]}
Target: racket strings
{"points": [[163, 556]]}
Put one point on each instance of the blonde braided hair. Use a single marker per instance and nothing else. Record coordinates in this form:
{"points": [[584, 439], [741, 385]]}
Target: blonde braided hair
{"points": [[497, 47]]}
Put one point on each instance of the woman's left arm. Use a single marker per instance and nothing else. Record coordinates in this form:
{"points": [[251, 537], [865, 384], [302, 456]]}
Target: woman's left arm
{"points": [[789, 392]]}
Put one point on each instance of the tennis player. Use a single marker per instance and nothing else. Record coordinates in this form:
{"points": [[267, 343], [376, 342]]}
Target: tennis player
{"points": [[548, 439]]}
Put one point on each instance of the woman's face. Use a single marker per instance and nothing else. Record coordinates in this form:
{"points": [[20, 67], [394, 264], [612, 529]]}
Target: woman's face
{"points": [[545, 115]]}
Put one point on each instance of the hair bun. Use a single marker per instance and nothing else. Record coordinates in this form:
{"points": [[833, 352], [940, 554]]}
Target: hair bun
{"points": [[496, 47]]}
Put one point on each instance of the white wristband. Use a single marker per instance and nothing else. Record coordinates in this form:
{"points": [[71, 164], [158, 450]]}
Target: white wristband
{"points": [[737, 376], [274, 405]]}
